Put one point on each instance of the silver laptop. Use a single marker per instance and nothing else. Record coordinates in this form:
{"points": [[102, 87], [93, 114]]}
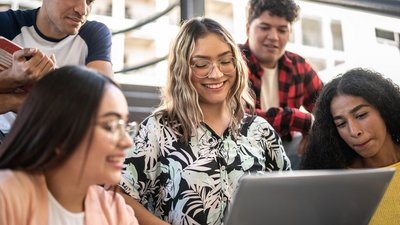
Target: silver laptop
{"points": [[312, 197]]}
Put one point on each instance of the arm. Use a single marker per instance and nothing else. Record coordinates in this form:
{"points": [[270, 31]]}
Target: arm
{"points": [[303, 91], [104, 67], [10, 102], [98, 38], [287, 119], [23, 71], [312, 87], [144, 216], [16, 205], [139, 177], [276, 158]]}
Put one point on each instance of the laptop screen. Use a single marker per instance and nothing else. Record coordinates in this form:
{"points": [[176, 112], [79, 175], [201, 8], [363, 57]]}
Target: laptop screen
{"points": [[312, 197]]}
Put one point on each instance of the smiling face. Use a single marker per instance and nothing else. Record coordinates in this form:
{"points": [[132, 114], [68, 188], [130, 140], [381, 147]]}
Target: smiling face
{"points": [[105, 152], [59, 18], [268, 36], [214, 89], [361, 126]]}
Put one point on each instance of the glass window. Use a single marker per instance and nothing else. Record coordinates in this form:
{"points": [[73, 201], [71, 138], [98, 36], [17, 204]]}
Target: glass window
{"points": [[312, 32], [385, 34], [318, 64], [337, 36]]}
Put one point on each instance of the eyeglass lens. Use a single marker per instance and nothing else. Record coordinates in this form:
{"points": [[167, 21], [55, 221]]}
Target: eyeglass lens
{"points": [[119, 128], [203, 67]]}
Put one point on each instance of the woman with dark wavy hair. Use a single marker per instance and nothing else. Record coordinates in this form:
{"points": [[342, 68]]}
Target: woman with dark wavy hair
{"points": [[357, 125], [69, 137]]}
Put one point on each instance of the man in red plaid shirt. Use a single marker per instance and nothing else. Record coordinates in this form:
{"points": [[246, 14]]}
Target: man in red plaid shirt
{"points": [[282, 81]]}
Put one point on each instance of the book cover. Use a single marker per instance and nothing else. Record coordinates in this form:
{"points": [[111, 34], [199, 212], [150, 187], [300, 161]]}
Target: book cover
{"points": [[7, 48]]}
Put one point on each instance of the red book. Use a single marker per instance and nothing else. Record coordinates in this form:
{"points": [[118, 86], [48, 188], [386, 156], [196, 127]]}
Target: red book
{"points": [[7, 48]]}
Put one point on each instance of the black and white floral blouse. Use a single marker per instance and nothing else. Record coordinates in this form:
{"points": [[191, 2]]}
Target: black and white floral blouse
{"points": [[194, 183]]}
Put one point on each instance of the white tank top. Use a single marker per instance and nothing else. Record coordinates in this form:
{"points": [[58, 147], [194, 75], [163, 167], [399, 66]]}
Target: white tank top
{"points": [[60, 216], [269, 96]]}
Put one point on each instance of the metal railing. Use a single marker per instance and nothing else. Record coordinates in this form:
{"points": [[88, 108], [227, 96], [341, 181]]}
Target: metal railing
{"points": [[189, 8]]}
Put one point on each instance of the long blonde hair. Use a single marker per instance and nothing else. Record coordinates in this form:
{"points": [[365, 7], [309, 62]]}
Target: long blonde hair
{"points": [[179, 106]]}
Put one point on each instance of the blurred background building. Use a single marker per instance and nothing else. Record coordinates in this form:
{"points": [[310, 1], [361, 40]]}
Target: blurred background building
{"points": [[333, 38]]}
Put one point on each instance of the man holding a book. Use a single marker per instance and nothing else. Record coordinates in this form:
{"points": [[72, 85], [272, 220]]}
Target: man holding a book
{"points": [[53, 35]]}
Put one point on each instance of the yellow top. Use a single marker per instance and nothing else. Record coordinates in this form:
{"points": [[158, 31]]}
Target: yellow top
{"points": [[388, 211]]}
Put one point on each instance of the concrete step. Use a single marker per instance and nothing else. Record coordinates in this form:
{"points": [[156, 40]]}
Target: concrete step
{"points": [[142, 100]]}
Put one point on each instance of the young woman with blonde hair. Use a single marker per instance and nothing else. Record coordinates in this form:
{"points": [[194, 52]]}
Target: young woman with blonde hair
{"points": [[190, 154]]}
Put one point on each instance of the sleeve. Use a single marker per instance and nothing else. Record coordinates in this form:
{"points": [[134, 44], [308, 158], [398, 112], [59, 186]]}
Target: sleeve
{"points": [[5, 209], [12, 21], [126, 213], [141, 164], [312, 87], [14, 202], [287, 119], [107, 208], [276, 158], [98, 39], [5, 25]]}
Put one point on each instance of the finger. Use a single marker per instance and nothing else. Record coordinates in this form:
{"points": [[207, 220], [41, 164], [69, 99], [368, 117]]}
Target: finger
{"points": [[48, 67], [24, 53], [53, 58], [43, 67]]}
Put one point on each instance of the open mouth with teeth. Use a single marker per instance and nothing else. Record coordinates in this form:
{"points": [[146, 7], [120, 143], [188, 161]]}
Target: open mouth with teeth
{"points": [[116, 161], [214, 86]]}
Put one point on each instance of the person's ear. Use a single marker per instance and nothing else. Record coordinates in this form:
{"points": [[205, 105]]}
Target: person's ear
{"points": [[58, 151]]}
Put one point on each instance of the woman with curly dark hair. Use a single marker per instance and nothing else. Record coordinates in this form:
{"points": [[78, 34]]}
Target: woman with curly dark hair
{"points": [[357, 125]]}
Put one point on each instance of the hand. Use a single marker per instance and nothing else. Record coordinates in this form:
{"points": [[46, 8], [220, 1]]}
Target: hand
{"points": [[303, 144], [10, 102], [31, 64]]}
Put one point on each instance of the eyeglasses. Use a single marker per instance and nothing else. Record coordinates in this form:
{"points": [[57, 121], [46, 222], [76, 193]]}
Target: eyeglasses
{"points": [[203, 67], [119, 128]]}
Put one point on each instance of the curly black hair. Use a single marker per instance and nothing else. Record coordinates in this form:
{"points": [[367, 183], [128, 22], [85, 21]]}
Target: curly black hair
{"points": [[326, 149], [287, 9]]}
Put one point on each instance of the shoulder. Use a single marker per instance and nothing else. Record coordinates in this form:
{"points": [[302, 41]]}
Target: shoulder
{"points": [[255, 120], [155, 121], [23, 196], [243, 47], [294, 56], [245, 50], [95, 34], [16, 179], [153, 128], [296, 61], [111, 204], [296, 64], [23, 17], [256, 124], [94, 27], [151, 121], [12, 21]]}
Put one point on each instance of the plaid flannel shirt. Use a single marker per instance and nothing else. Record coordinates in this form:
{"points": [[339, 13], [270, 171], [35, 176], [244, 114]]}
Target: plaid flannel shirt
{"points": [[299, 85]]}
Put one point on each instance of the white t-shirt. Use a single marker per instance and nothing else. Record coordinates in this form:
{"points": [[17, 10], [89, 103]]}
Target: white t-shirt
{"points": [[60, 216], [6, 121], [269, 96], [93, 42]]}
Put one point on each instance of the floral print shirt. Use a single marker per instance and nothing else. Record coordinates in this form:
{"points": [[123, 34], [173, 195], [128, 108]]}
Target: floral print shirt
{"points": [[194, 183]]}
